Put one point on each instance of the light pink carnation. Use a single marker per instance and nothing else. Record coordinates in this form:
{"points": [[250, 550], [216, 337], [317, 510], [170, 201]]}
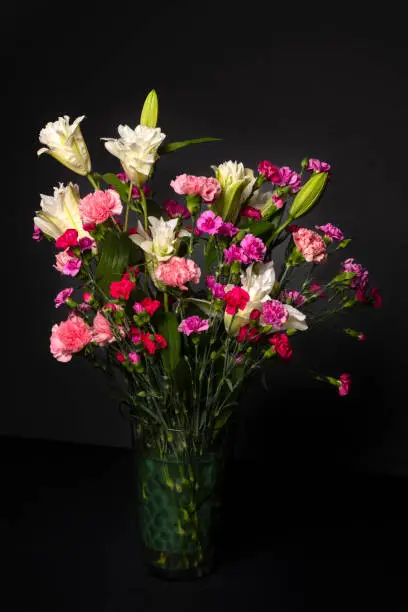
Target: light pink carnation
{"points": [[209, 222], [274, 313], [66, 263], [62, 296], [253, 248], [210, 189], [193, 325], [177, 272], [310, 244], [186, 184], [69, 337], [97, 207], [101, 331]]}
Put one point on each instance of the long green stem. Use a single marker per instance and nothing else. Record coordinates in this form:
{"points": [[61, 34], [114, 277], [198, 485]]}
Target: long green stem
{"points": [[278, 231], [125, 226], [144, 206], [92, 181]]}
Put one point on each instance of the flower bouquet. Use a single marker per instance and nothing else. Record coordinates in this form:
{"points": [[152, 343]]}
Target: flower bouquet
{"points": [[183, 301]]}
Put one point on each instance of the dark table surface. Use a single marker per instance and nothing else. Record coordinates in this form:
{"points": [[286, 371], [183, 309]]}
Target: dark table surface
{"points": [[292, 539]]}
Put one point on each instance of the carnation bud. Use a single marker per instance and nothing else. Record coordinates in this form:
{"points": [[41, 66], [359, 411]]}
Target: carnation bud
{"points": [[308, 195], [240, 236], [193, 204], [304, 163], [71, 303]]}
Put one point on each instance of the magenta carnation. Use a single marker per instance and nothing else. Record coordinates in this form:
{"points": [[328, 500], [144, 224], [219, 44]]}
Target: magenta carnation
{"points": [[234, 253], [97, 207], [62, 296], [344, 384], [236, 299], [251, 212], [134, 357], [274, 313], [193, 325], [177, 272], [289, 178], [174, 209], [292, 297], [310, 245], [331, 231], [228, 229], [37, 234], [69, 337], [317, 166], [270, 172], [217, 289], [360, 281], [209, 222], [253, 248]]}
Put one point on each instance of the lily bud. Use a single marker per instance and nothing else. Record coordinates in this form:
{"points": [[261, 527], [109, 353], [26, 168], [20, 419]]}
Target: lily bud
{"points": [[308, 196], [150, 110]]}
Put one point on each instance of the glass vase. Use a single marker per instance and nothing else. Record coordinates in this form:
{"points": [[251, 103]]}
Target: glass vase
{"points": [[178, 512]]}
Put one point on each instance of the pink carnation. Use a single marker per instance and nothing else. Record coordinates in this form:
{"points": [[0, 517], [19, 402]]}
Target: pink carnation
{"points": [[274, 313], [228, 229], [193, 325], [360, 281], [69, 337], [289, 178], [270, 172], [102, 332], [279, 203], [174, 209], [234, 253], [317, 166], [253, 248], [331, 231], [86, 243], [97, 207], [68, 239], [186, 184], [209, 222], [251, 212], [310, 244], [177, 272], [62, 296], [122, 288], [210, 189], [66, 263], [134, 357], [344, 384]]}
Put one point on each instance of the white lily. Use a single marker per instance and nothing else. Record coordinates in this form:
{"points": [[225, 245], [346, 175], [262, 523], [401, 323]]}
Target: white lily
{"points": [[60, 212], [296, 319], [136, 149], [66, 144], [162, 244], [236, 183]]}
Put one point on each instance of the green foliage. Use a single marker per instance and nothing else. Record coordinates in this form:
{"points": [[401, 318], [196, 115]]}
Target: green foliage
{"points": [[167, 326], [173, 146], [111, 179], [115, 257]]}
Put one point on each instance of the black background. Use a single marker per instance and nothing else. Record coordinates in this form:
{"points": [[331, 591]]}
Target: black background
{"points": [[329, 88]]}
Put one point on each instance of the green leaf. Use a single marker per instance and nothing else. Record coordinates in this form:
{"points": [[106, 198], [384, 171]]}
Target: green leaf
{"points": [[150, 110], [210, 254], [257, 228], [173, 146], [114, 259], [343, 243], [230, 385], [204, 305], [168, 328], [111, 179]]}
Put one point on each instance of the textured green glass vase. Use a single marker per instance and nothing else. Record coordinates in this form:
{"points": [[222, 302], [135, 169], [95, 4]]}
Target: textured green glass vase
{"points": [[178, 512]]}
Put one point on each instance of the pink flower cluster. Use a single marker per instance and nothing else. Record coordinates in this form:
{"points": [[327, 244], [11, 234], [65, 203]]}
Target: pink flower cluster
{"points": [[177, 272], [310, 245], [331, 232], [193, 325], [360, 281], [99, 206], [69, 337], [274, 313], [174, 209], [208, 189], [281, 344], [251, 249], [317, 166], [151, 342]]}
